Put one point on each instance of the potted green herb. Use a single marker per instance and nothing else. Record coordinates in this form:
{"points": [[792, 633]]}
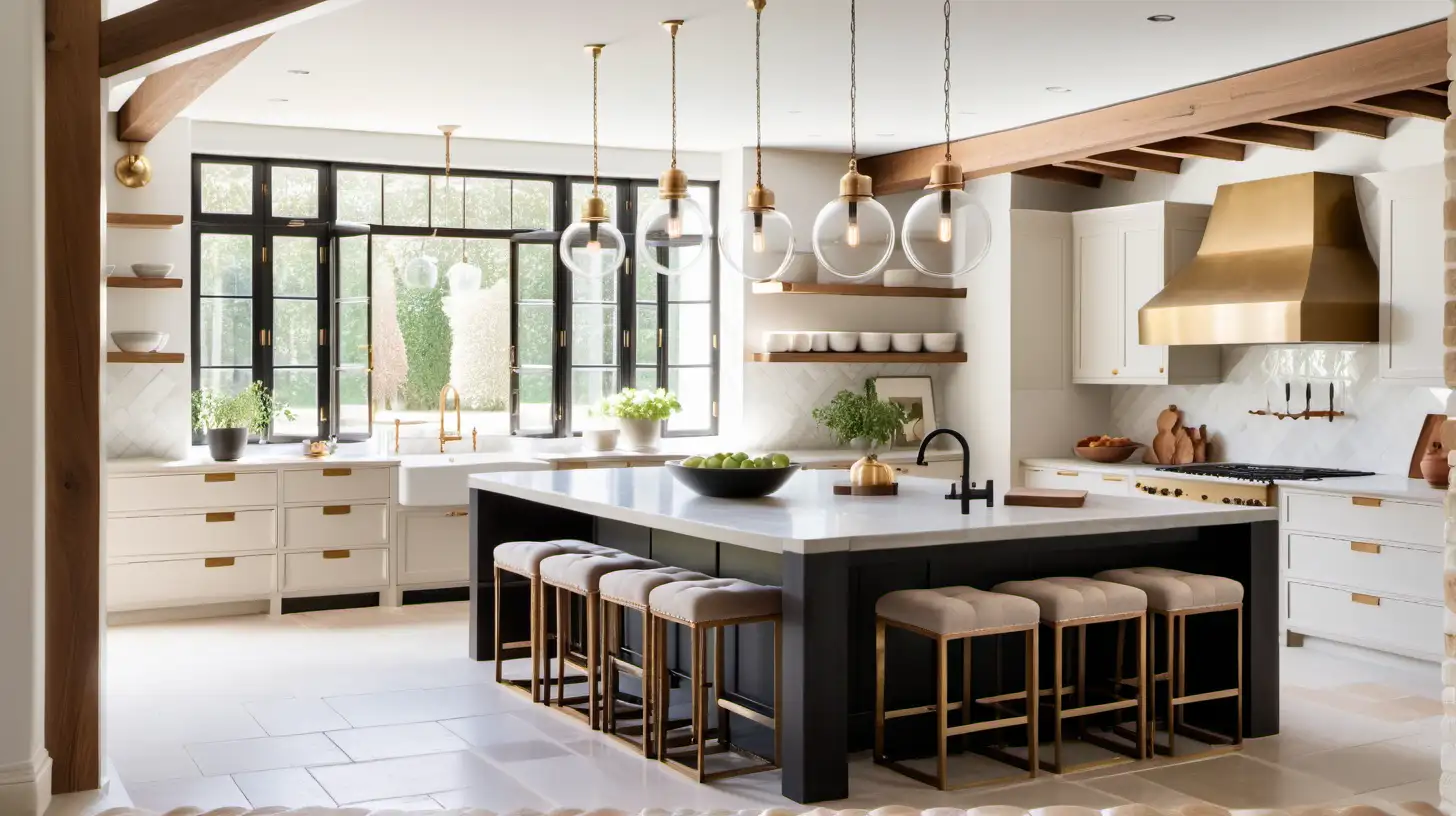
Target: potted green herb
{"points": [[640, 415], [228, 419], [861, 420]]}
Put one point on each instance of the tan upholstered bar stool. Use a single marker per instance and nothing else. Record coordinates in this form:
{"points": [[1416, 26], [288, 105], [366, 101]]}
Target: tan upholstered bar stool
{"points": [[948, 615], [1175, 596], [1075, 604], [580, 574], [625, 591], [523, 559], [706, 608]]}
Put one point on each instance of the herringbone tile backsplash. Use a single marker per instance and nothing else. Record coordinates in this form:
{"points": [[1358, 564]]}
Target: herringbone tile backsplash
{"points": [[147, 411], [777, 399]]}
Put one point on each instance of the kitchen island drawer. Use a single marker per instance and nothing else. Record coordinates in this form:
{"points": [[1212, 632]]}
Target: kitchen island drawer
{"points": [[335, 484], [1368, 620], [335, 569], [140, 494], [1103, 484], [336, 525], [1377, 567], [434, 546], [1363, 517], [229, 531], [189, 581]]}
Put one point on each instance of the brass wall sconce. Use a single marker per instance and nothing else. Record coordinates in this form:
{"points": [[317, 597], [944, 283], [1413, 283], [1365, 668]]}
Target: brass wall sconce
{"points": [[133, 170]]}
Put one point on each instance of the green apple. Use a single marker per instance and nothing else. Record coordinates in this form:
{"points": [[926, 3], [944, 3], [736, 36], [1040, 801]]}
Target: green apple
{"points": [[763, 462], [731, 464], [779, 460], [748, 463], [740, 456], [713, 463], [693, 461]]}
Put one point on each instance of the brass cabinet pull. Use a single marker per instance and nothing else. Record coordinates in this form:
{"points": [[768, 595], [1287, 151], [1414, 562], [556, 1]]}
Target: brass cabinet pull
{"points": [[1066, 473], [1367, 600], [1364, 501], [1107, 478], [1114, 372], [1365, 547], [456, 513], [338, 510], [213, 563], [338, 471], [219, 477], [215, 518], [335, 554]]}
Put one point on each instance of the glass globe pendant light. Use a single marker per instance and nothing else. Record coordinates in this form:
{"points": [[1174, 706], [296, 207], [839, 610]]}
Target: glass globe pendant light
{"points": [[423, 271], [592, 247], [463, 275], [674, 233], [946, 233], [854, 234], [770, 235]]}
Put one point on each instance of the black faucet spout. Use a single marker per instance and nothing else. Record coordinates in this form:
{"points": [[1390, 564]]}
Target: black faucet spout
{"points": [[968, 491]]}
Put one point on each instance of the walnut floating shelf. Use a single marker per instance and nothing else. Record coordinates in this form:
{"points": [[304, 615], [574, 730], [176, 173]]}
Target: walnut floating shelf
{"points": [[142, 221], [790, 288], [144, 283], [145, 357], [857, 357]]}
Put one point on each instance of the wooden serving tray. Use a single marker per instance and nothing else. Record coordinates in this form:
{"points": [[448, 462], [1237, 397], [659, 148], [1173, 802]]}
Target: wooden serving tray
{"points": [[846, 489], [1044, 497]]}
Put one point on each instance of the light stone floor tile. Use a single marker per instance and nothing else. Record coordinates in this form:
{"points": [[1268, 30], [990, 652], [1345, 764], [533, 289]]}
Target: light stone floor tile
{"points": [[1242, 782], [1042, 793], [265, 754], [1135, 788], [283, 718], [1371, 767], [523, 751], [203, 792], [293, 787], [493, 798], [388, 741], [424, 705], [142, 761], [410, 776], [493, 729], [1283, 747], [1425, 790], [408, 804]]}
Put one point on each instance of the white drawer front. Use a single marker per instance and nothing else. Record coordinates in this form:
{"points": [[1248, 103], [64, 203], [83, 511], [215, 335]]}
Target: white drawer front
{"points": [[336, 525], [434, 547], [1363, 517], [189, 491], [1379, 568], [1369, 619], [1105, 484], [189, 581], [335, 484], [229, 531], [335, 569]]}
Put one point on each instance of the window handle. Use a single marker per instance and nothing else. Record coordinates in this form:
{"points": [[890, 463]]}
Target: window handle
{"points": [[659, 338]]}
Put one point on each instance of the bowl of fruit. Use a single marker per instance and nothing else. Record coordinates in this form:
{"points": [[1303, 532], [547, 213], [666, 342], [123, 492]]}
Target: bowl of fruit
{"points": [[733, 475], [1106, 449]]}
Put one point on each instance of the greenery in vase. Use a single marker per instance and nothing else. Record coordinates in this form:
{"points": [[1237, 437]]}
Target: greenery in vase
{"points": [[852, 416], [253, 408], [631, 403]]}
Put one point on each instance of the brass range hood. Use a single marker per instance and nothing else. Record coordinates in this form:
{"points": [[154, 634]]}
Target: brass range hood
{"points": [[1283, 260]]}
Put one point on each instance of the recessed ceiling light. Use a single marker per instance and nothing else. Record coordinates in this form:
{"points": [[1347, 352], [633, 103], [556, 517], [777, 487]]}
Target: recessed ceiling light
{"points": [[1162, 18], [277, 99], [299, 71], [884, 135], [795, 112], [965, 113], [1058, 89], [814, 135]]}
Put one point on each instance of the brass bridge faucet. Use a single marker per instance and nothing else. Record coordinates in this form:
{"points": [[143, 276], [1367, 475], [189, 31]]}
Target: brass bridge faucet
{"points": [[444, 402]]}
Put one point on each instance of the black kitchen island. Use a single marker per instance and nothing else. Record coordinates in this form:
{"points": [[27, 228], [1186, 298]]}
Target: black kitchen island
{"points": [[834, 556]]}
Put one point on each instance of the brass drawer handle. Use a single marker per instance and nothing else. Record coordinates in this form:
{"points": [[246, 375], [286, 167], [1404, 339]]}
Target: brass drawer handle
{"points": [[1365, 547], [338, 510], [1364, 501], [338, 471], [213, 563], [332, 555], [1368, 600], [1066, 473], [456, 513], [219, 477], [1112, 478], [215, 518]]}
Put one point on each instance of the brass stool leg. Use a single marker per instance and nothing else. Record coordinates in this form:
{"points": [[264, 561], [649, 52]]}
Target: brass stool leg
{"points": [[966, 700], [879, 686], [724, 736], [496, 640], [593, 659], [563, 641], [661, 690], [942, 708], [778, 629], [1081, 678], [1182, 662], [1033, 701], [1144, 738], [1172, 678], [1239, 668], [700, 699], [537, 638]]}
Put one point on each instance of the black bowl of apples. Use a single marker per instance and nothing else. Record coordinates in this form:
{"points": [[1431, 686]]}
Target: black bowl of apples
{"points": [[733, 475]]}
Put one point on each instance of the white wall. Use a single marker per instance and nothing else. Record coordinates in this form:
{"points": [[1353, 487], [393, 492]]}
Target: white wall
{"points": [[24, 763]]}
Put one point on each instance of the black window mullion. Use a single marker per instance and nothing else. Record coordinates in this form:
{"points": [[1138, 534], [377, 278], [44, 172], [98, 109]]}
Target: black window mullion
{"points": [[561, 374], [263, 313], [323, 356]]}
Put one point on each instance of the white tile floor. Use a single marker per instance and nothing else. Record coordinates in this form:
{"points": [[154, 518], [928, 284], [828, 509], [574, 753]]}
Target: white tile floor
{"points": [[381, 708]]}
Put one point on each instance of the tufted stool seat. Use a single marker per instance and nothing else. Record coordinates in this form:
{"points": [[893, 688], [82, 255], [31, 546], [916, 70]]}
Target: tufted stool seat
{"points": [[632, 587], [708, 608], [1175, 596], [958, 614], [583, 572], [525, 557], [1075, 603]]}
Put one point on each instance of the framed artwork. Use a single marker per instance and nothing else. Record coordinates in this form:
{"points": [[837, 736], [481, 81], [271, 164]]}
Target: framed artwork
{"points": [[914, 394]]}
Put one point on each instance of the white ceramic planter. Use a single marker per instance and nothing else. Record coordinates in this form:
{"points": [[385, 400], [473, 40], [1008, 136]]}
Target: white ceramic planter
{"points": [[640, 435]]}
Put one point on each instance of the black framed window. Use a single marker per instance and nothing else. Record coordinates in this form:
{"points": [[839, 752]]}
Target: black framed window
{"points": [[361, 325]]}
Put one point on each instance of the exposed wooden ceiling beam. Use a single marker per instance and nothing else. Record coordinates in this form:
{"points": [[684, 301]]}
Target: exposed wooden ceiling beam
{"points": [[1417, 104], [166, 27], [1338, 120], [1197, 148], [1065, 175], [1397, 62], [1134, 160], [1265, 134], [1438, 88], [168, 92], [1119, 173]]}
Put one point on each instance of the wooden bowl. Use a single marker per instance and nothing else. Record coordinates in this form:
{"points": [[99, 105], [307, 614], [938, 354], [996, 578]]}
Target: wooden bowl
{"points": [[1108, 455]]}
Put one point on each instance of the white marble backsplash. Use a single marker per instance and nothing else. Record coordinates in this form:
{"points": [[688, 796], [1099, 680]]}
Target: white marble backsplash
{"points": [[777, 398], [1383, 418]]}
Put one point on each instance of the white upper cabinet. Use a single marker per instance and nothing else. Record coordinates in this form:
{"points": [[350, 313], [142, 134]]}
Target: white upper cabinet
{"points": [[1405, 220], [1121, 258]]}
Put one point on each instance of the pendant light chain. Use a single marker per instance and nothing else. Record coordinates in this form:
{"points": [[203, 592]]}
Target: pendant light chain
{"points": [[758, 93], [853, 136], [674, 97], [596, 157], [947, 80]]}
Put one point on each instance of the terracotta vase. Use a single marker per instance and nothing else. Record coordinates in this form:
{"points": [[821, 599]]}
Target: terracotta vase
{"points": [[1435, 466]]}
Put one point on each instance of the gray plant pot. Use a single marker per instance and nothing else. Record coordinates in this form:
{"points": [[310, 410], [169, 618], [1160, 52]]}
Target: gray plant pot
{"points": [[227, 444]]}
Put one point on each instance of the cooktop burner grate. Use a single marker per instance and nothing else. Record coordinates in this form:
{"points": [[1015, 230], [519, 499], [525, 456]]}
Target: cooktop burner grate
{"points": [[1262, 473]]}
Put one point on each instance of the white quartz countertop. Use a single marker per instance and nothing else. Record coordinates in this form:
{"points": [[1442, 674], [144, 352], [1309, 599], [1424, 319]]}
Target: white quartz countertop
{"points": [[806, 517], [688, 446], [256, 456]]}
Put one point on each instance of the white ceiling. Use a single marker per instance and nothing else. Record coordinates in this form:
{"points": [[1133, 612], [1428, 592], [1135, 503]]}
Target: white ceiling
{"points": [[517, 71]]}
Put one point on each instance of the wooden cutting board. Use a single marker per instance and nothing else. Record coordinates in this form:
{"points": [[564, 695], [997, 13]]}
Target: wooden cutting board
{"points": [[1182, 447], [1165, 444], [1044, 497]]}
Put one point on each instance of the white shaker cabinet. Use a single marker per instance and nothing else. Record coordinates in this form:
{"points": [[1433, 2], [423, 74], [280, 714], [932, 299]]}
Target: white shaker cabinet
{"points": [[1121, 258], [1404, 220]]}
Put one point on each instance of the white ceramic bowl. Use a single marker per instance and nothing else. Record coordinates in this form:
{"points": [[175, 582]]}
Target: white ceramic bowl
{"points": [[909, 343], [820, 342], [140, 342], [151, 270], [803, 341], [600, 439], [941, 342], [903, 277], [843, 341], [874, 342], [774, 342]]}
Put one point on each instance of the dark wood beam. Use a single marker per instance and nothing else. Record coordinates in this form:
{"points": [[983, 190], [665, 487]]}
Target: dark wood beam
{"points": [[169, 91], [73, 292], [1196, 147], [1065, 175], [1338, 120], [1265, 134], [1400, 61], [1134, 160], [1119, 173], [1437, 88], [1416, 104], [166, 27]]}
